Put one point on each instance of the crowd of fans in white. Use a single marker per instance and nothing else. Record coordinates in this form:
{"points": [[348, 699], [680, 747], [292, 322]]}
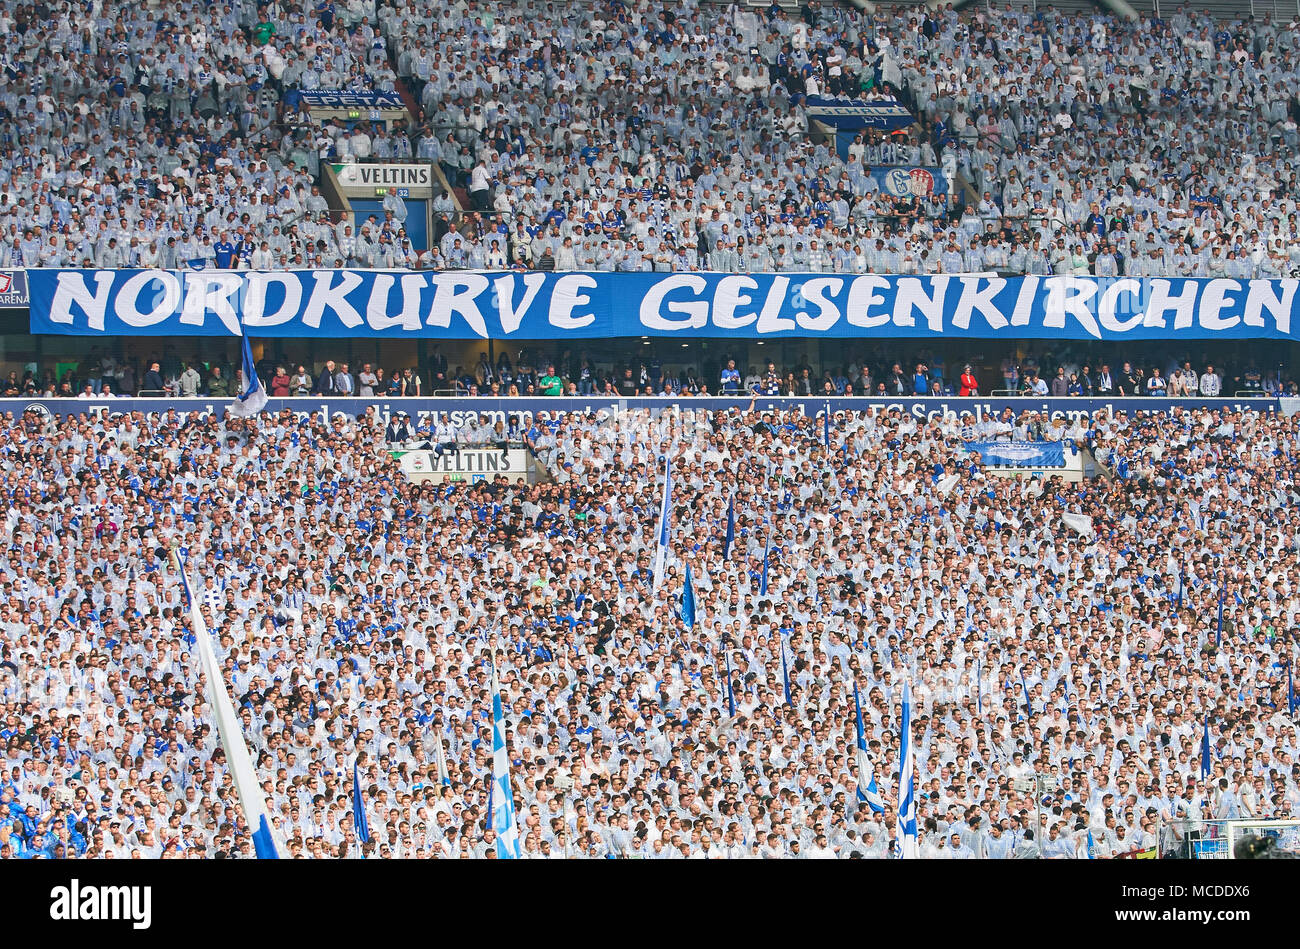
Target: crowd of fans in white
{"points": [[356, 615], [651, 135]]}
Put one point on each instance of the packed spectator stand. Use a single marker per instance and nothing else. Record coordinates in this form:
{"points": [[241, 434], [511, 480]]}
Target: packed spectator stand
{"points": [[1140, 670], [356, 616], [640, 136]]}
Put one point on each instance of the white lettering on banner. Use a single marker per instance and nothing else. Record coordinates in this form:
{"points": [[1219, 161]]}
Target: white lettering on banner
{"points": [[862, 297], [211, 292], [1213, 300], [829, 313], [727, 298], [697, 311], [1160, 299], [326, 296], [321, 98], [911, 296], [973, 300], [1069, 296], [379, 313], [504, 294], [769, 316], [492, 304], [567, 297], [255, 299], [1109, 304], [1020, 316], [1261, 297], [458, 293], [128, 310], [70, 290]]}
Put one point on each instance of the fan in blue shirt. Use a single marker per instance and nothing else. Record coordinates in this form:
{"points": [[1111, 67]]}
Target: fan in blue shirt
{"points": [[225, 253]]}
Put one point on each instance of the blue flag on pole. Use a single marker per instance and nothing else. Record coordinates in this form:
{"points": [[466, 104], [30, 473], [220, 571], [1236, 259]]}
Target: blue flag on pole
{"points": [[868, 792], [1029, 706], [688, 600], [731, 698], [730, 540], [907, 833], [826, 425], [253, 397], [1290, 691], [359, 823], [785, 671], [503, 799], [1205, 747], [663, 534], [979, 689], [1092, 847]]}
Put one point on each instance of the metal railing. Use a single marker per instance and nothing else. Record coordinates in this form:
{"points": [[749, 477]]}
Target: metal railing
{"points": [[1216, 839]]}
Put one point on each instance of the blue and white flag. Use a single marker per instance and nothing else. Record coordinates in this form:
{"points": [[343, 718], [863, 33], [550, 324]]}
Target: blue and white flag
{"points": [[868, 792], [253, 399], [1290, 690], [503, 806], [664, 532], [688, 600], [731, 698], [1092, 847], [906, 847], [247, 788], [826, 425], [1205, 747], [359, 822], [730, 540]]}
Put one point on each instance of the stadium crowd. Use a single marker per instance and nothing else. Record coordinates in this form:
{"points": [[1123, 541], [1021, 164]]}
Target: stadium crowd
{"points": [[356, 615], [645, 135]]}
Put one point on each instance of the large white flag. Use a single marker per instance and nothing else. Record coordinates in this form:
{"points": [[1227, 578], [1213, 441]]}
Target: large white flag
{"points": [[503, 798], [1081, 523], [240, 762], [662, 536]]}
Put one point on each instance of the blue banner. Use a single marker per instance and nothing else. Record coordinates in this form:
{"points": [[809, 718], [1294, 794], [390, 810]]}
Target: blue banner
{"points": [[458, 410], [1020, 454], [844, 113], [533, 305], [904, 180], [13, 288], [350, 99]]}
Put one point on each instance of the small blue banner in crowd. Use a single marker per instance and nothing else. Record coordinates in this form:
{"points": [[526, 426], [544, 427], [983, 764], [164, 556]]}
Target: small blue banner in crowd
{"points": [[885, 115], [1020, 454]]}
